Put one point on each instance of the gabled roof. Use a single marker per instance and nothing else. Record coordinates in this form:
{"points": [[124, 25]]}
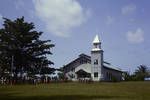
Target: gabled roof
{"points": [[105, 64], [86, 56], [80, 56], [82, 71], [109, 66]]}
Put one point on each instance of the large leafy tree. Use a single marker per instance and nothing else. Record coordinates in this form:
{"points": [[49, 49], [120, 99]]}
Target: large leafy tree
{"points": [[20, 43]]}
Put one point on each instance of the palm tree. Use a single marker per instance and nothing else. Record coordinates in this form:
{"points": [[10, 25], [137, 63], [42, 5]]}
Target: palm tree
{"points": [[141, 72]]}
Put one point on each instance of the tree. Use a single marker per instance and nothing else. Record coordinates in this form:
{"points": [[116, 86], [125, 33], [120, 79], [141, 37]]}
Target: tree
{"points": [[127, 76], [141, 72], [47, 70], [19, 40]]}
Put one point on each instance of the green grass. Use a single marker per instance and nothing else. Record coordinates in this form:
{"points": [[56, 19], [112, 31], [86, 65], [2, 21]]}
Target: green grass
{"points": [[77, 91]]}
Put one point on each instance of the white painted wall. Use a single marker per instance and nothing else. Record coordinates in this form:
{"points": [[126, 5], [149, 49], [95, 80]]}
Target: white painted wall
{"points": [[85, 67]]}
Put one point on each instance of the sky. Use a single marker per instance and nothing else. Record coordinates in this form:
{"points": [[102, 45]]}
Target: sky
{"points": [[122, 25]]}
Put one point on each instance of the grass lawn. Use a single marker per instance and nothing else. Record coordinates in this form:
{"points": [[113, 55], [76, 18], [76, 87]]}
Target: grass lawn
{"points": [[77, 91]]}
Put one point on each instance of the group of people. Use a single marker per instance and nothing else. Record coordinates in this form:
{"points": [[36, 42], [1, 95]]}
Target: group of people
{"points": [[27, 80]]}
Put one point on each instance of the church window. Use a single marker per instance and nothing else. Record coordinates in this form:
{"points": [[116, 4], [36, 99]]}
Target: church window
{"points": [[107, 75], [110, 76], [96, 45], [96, 74], [96, 62]]}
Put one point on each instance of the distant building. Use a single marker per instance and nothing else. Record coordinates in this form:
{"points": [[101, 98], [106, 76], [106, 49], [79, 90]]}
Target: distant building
{"points": [[92, 67]]}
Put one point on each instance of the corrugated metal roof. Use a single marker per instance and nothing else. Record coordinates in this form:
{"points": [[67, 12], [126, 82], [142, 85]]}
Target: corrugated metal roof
{"points": [[109, 66]]}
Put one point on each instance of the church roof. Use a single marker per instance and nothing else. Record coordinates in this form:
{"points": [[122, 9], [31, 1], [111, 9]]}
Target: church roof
{"points": [[96, 40], [105, 64], [109, 66]]}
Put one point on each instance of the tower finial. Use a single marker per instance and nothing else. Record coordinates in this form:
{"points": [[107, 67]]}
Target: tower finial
{"points": [[96, 44], [96, 39]]}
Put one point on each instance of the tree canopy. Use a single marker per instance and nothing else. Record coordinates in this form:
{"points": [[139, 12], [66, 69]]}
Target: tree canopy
{"points": [[142, 72], [21, 42]]}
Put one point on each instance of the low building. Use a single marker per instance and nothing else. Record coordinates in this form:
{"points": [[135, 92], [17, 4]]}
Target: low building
{"points": [[92, 67]]}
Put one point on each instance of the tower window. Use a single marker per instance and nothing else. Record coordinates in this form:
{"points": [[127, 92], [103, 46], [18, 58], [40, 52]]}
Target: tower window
{"points": [[95, 46], [96, 74], [96, 62]]}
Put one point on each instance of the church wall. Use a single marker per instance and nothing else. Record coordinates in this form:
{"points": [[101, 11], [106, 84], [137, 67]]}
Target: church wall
{"points": [[85, 67], [96, 68], [71, 75], [79, 63], [112, 75]]}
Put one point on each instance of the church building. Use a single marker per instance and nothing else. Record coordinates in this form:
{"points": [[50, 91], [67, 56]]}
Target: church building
{"points": [[92, 67]]}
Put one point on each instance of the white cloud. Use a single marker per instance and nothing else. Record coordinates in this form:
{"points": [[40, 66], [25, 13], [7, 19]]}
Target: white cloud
{"points": [[60, 16], [128, 9], [109, 20], [135, 37]]}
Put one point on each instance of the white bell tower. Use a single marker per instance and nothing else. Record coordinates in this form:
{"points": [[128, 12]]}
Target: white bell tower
{"points": [[97, 60]]}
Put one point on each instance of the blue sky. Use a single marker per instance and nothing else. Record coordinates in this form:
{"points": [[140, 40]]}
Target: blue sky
{"points": [[122, 25]]}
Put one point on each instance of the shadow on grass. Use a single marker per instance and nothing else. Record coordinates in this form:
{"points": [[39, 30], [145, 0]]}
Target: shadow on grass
{"points": [[60, 97]]}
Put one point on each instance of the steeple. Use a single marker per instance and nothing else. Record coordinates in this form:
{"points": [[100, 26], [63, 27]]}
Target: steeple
{"points": [[96, 60], [96, 40], [96, 44]]}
